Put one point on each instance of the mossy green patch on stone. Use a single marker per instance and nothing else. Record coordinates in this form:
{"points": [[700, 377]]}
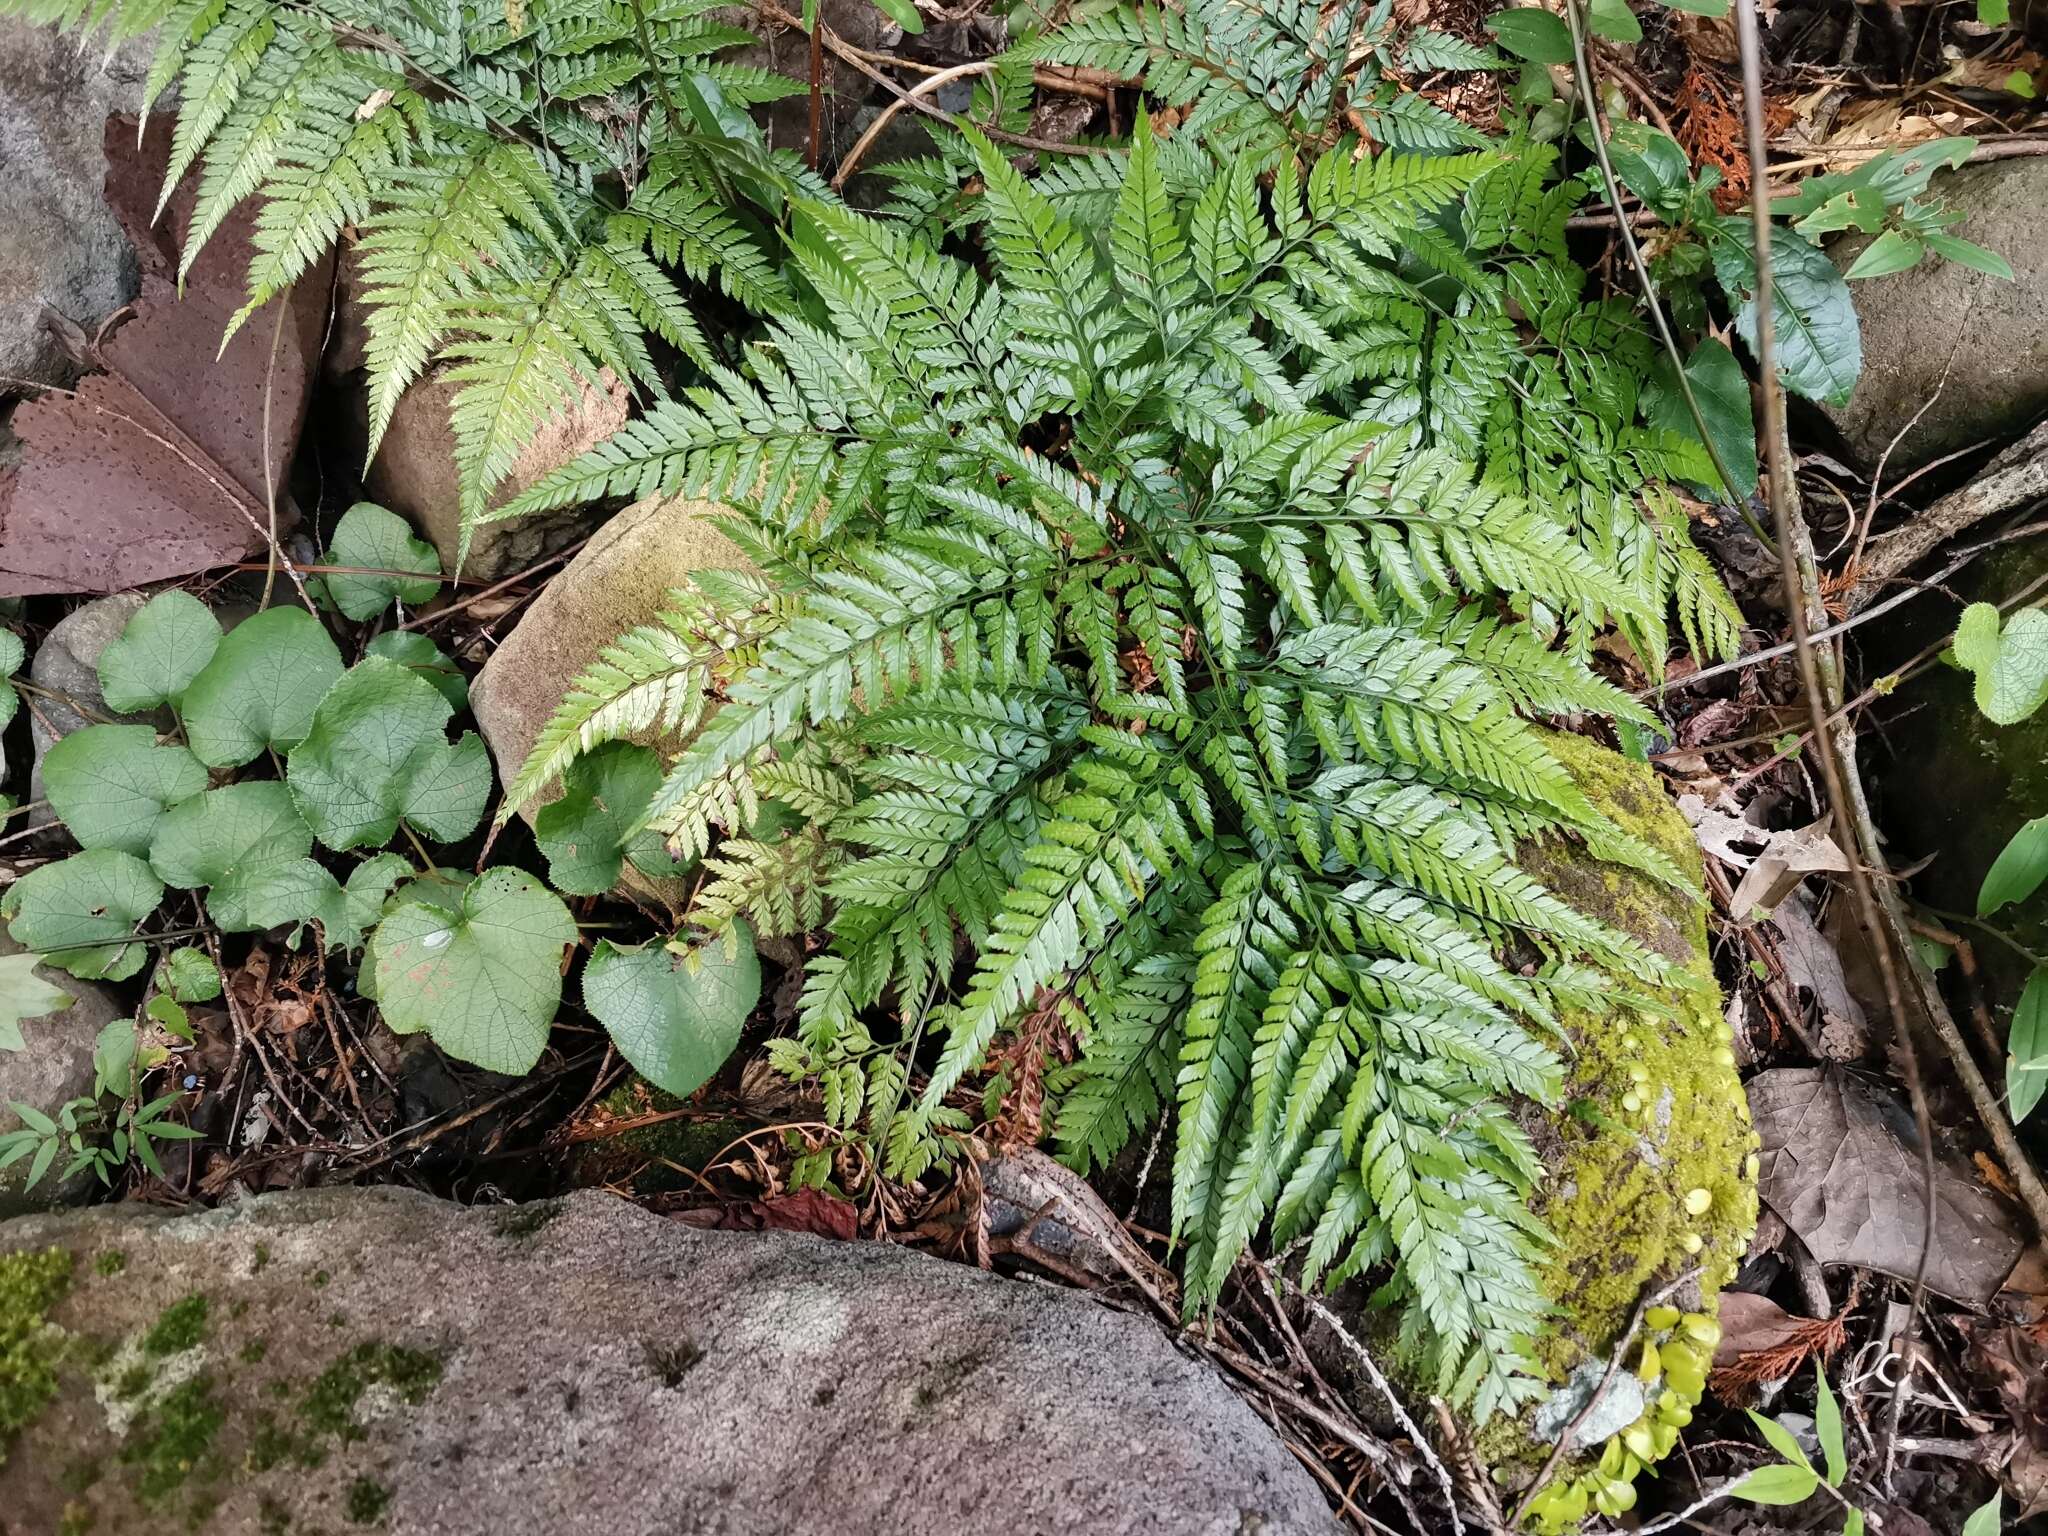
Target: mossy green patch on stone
{"points": [[367, 1501], [110, 1263], [329, 1405], [76, 1520], [180, 1326], [31, 1284], [172, 1444], [252, 1353], [1647, 1153]]}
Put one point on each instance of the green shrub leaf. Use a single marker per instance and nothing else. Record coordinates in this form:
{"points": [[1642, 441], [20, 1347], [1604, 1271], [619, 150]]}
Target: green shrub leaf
{"points": [[233, 841], [261, 687], [2011, 664], [2026, 1062], [12, 653], [79, 912], [411, 649], [1531, 34], [586, 834], [2019, 869], [1722, 390], [1781, 1483], [111, 784], [675, 1013], [157, 654], [375, 755], [1820, 343], [376, 540], [484, 981], [190, 976]]}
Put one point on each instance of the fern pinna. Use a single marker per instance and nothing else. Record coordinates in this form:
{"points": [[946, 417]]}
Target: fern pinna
{"points": [[1104, 632], [527, 182]]}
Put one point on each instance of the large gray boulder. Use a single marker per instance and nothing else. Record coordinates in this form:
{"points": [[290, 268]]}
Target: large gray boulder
{"points": [[59, 246], [1987, 337], [334, 1358]]}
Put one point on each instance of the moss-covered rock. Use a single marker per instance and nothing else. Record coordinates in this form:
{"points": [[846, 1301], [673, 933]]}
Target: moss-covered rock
{"points": [[1651, 1170], [327, 1361]]}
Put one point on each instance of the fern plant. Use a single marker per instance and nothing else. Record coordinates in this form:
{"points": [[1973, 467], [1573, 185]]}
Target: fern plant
{"points": [[528, 183], [1111, 636]]}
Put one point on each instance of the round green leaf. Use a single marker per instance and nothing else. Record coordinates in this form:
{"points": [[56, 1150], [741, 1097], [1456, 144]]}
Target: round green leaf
{"points": [[12, 653], [25, 995], [376, 540], [584, 833], [2011, 664], [1531, 34], [674, 1013], [235, 841], [1613, 20], [261, 687], [111, 784], [79, 912], [190, 976], [484, 981], [411, 649], [155, 657], [375, 754]]}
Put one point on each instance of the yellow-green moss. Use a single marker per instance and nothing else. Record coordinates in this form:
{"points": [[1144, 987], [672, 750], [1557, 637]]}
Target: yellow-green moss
{"points": [[30, 1349], [1649, 1150], [179, 1327], [654, 1158]]}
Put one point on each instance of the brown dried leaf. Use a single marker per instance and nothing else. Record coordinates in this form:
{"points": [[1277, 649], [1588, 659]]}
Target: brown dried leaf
{"points": [[1790, 855], [1839, 1167], [155, 467]]}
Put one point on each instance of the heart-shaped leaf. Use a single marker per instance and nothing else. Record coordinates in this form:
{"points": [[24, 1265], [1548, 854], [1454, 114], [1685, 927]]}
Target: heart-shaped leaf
{"points": [[157, 654], [261, 687], [190, 976], [2011, 663], [674, 1012], [111, 784], [375, 754], [483, 981], [376, 540], [411, 649], [25, 995], [588, 832], [233, 841], [79, 912], [1532, 34]]}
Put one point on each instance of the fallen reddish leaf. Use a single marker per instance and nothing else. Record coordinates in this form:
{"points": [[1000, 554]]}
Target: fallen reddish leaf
{"points": [[808, 1210], [155, 467]]}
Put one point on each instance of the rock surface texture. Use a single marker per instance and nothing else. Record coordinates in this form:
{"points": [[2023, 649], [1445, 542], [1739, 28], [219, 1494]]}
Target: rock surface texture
{"points": [[615, 583], [59, 245], [1980, 341], [349, 1358]]}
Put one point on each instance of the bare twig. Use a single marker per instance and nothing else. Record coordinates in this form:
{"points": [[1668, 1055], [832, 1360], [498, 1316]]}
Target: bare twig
{"points": [[2017, 476], [1795, 564], [925, 87]]}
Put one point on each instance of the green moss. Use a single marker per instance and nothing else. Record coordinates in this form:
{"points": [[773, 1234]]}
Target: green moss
{"points": [[1648, 1154], [261, 1259], [252, 1353], [517, 1221], [76, 1520], [173, 1442], [367, 1501], [329, 1404], [179, 1327], [652, 1158], [110, 1263], [320, 1278], [31, 1284]]}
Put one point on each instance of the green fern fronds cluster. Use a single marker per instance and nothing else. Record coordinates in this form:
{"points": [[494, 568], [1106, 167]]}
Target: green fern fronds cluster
{"points": [[526, 189], [1130, 670]]}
